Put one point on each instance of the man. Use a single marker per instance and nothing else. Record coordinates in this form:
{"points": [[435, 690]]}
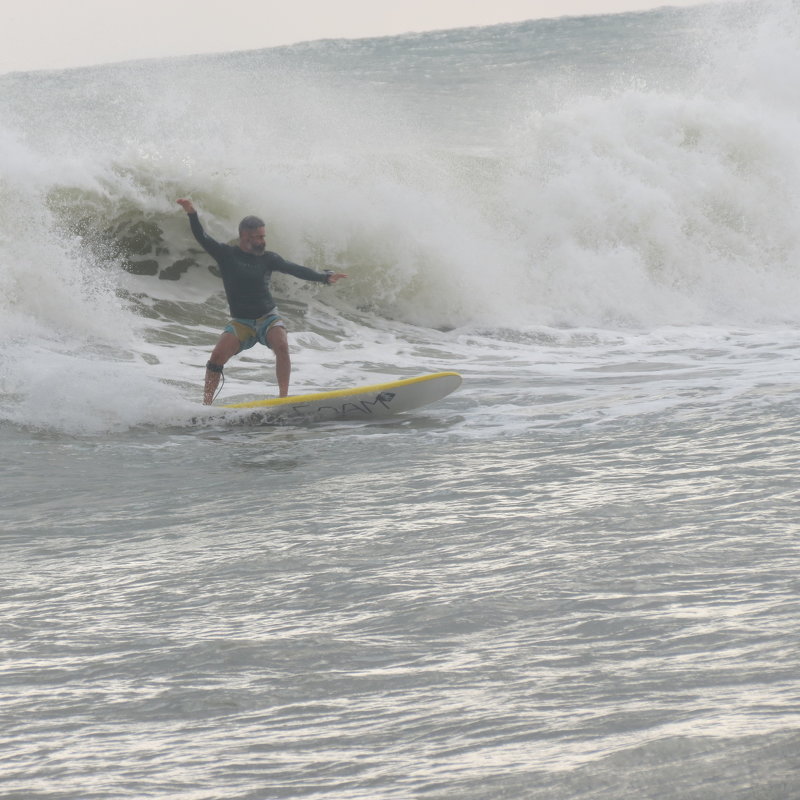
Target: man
{"points": [[246, 271]]}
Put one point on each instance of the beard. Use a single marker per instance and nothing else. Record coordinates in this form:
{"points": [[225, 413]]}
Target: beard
{"points": [[258, 249]]}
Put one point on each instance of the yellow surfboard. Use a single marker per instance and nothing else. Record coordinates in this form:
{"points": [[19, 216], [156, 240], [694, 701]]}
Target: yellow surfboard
{"points": [[360, 403]]}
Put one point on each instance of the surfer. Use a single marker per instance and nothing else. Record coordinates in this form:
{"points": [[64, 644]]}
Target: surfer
{"points": [[246, 270]]}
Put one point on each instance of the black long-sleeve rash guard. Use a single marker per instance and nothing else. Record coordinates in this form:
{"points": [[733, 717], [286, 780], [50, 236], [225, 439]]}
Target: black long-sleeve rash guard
{"points": [[246, 276]]}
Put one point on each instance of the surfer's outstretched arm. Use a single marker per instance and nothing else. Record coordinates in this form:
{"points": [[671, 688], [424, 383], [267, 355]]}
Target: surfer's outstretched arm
{"points": [[211, 246]]}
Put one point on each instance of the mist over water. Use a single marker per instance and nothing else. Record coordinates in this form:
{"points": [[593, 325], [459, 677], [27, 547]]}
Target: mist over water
{"points": [[603, 171], [575, 576]]}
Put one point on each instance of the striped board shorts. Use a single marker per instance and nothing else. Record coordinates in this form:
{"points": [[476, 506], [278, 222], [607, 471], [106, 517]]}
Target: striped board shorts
{"points": [[250, 331]]}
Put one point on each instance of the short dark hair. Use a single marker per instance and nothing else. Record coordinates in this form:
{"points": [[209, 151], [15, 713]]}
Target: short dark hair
{"points": [[250, 224]]}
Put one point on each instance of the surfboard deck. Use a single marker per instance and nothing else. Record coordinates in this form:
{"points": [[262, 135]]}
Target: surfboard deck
{"points": [[373, 402]]}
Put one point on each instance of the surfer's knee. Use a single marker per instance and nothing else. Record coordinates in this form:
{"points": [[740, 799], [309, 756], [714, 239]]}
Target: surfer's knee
{"points": [[213, 367], [277, 340]]}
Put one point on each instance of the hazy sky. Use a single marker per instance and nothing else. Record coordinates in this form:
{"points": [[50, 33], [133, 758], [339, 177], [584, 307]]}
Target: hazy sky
{"points": [[47, 34]]}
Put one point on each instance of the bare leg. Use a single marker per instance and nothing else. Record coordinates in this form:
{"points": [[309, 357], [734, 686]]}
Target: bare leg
{"points": [[279, 344], [227, 346]]}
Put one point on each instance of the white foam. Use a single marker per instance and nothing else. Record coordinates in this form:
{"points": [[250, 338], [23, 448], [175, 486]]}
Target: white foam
{"points": [[626, 210]]}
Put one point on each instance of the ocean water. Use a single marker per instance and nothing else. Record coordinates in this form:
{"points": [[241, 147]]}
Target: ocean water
{"points": [[575, 578]]}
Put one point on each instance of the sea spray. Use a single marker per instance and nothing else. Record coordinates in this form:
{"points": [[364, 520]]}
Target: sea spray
{"points": [[488, 185]]}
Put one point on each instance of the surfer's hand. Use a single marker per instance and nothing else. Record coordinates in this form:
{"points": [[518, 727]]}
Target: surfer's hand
{"points": [[335, 276], [187, 206]]}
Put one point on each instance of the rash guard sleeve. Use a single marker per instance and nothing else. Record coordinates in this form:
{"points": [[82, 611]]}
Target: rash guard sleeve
{"points": [[211, 246], [280, 264]]}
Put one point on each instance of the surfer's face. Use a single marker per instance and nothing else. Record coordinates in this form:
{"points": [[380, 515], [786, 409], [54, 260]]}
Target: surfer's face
{"points": [[253, 240]]}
